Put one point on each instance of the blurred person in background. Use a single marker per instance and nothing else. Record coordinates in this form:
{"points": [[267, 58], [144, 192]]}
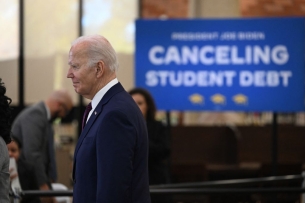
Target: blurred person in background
{"points": [[33, 128], [5, 138], [158, 137], [159, 149], [26, 171]]}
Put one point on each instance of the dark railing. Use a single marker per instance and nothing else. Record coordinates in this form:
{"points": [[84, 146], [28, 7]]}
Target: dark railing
{"points": [[204, 188], [239, 182]]}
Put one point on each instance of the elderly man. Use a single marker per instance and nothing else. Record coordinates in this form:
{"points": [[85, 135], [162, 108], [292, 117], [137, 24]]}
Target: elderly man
{"points": [[111, 156], [33, 127]]}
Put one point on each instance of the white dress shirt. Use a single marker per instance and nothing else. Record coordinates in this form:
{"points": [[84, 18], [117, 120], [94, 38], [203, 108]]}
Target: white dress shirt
{"points": [[100, 94]]}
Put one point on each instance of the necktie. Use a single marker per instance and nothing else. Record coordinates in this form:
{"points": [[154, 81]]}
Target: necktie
{"points": [[88, 109]]}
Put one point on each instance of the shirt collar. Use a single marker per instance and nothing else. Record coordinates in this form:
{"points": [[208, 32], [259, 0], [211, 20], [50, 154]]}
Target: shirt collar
{"points": [[100, 94]]}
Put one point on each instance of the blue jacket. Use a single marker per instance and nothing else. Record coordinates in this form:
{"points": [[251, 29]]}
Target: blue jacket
{"points": [[111, 156]]}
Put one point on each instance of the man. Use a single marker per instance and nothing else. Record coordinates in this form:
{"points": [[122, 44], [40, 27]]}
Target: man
{"points": [[111, 156], [33, 127]]}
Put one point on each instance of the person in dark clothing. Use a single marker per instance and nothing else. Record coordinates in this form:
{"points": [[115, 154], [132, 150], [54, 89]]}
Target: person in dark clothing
{"points": [[159, 149], [26, 171], [5, 138]]}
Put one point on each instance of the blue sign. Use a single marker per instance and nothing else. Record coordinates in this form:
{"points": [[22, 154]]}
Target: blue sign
{"points": [[222, 65]]}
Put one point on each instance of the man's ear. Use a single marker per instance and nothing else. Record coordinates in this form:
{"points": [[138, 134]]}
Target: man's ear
{"points": [[100, 69]]}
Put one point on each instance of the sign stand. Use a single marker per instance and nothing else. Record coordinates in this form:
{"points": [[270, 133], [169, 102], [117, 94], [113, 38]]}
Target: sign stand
{"points": [[274, 146]]}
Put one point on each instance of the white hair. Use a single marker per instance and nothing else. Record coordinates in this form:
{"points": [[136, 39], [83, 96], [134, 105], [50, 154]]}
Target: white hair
{"points": [[99, 48]]}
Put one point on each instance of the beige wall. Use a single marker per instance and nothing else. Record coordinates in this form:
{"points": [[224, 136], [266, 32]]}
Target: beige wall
{"points": [[49, 30], [126, 70]]}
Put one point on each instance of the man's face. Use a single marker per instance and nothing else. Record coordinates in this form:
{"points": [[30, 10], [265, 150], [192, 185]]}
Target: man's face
{"points": [[63, 108], [82, 76]]}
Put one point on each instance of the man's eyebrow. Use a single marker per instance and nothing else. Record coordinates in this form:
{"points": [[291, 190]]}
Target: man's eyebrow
{"points": [[71, 63]]}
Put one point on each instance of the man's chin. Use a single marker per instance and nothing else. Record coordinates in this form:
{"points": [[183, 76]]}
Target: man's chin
{"points": [[77, 91]]}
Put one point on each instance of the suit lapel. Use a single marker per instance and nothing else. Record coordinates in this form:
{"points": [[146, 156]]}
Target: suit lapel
{"points": [[109, 94]]}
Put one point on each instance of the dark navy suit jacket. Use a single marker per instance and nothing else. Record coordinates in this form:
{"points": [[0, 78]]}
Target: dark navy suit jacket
{"points": [[111, 156]]}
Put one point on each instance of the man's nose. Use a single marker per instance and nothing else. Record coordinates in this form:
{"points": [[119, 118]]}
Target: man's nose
{"points": [[69, 73]]}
